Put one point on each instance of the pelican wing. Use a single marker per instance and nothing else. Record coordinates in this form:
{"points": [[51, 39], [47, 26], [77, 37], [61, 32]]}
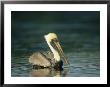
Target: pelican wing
{"points": [[48, 55], [39, 59]]}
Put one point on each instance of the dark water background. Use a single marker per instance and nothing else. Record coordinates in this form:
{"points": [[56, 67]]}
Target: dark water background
{"points": [[79, 35]]}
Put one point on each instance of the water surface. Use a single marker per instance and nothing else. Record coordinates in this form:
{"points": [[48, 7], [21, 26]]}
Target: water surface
{"points": [[79, 35]]}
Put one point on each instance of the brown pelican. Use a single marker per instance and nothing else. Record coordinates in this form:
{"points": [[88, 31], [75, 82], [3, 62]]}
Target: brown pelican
{"points": [[51, 59]]}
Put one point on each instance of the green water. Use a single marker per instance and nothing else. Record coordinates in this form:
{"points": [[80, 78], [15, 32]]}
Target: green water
{"points": [[79, 35]]}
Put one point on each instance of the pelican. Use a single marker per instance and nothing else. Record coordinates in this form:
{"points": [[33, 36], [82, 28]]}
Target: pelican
{"points": [[49, 59]]}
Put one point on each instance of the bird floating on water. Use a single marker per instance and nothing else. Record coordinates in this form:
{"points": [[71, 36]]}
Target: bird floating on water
{"points": [[49, 59]]}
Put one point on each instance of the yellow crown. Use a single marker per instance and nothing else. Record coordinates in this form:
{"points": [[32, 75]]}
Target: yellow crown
{"points": [[50, 36]]}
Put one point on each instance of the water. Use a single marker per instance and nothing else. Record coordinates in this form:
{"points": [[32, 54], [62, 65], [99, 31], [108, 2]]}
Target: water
{"points": [[79, 35]]}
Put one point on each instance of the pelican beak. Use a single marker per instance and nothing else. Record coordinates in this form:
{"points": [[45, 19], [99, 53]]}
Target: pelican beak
{"points": [[56, 45]]}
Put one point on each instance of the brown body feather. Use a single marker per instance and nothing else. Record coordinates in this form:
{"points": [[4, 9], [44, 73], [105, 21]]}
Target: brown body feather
{"points": [[45, 59]]}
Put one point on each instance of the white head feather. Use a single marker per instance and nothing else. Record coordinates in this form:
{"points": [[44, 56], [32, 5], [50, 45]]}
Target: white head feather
{"points": [[50, 36]]}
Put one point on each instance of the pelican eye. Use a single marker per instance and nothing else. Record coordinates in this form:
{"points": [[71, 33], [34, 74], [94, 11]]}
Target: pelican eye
{"points": [[55, 40]]}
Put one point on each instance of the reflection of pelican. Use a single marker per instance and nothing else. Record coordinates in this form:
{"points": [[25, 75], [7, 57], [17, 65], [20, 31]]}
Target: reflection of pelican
{"points": [[46, 72], [49, 59], [40, 72]]}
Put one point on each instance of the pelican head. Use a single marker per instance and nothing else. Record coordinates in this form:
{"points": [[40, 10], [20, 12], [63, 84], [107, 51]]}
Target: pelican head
{"points": [[54, 45]]}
